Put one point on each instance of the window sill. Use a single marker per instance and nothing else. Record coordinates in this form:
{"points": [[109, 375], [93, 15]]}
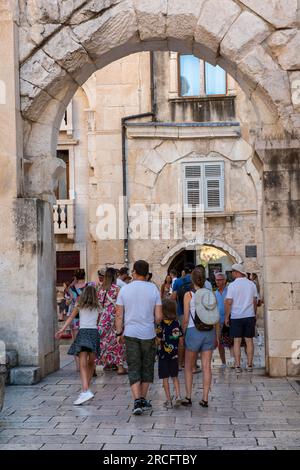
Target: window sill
{"points": [[209, 215], [180, 99]]}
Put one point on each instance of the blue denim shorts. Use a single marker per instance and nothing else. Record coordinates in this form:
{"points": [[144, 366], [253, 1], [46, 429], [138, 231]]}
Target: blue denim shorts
{"points": [[198, 341]]}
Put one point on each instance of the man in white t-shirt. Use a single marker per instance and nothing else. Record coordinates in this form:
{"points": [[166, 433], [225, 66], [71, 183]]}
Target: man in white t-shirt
{"points": [[138, 309], [240, 312]]}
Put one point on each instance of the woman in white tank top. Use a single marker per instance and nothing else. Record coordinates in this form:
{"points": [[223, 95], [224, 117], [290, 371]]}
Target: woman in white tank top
{"points": [[87, 343]]}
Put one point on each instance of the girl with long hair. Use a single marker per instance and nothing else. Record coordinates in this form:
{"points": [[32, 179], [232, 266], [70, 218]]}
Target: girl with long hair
{"points": [[86, 345], [166, 288]]}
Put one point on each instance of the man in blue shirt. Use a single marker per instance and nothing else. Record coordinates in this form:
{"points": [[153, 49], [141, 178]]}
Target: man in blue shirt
{"points": [[180, 285], [221, 296]]}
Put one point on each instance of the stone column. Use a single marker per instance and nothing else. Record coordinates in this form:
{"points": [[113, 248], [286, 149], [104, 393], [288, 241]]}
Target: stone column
{"points": [[27, 257], [281, 227]]}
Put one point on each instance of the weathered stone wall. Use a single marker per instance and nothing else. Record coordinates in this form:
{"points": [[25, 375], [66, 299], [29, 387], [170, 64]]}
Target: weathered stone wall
{"points": [[242, 192], [282, 255], [27, 314]]}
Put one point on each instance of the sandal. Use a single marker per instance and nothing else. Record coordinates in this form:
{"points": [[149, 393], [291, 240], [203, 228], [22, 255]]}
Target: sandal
{"points": [[186, 402], [203, 403]]}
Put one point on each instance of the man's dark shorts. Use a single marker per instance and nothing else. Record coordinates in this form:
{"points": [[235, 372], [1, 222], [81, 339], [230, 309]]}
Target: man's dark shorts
{"points": [[140, 357], [242, 327]]}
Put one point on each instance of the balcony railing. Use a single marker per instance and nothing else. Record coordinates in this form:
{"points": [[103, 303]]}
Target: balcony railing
{"points": [[63, 217]]}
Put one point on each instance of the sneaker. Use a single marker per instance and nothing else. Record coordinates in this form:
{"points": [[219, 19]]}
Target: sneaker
{"points": [[83, 397], [137, 407], [223, 366], [177, 402], [146, 404], [168, 405], [231, 362], [249, 368], [238, 369]]}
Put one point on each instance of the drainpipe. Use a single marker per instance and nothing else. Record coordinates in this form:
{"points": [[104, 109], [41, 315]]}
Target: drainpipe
{"points": [[124, 153]]}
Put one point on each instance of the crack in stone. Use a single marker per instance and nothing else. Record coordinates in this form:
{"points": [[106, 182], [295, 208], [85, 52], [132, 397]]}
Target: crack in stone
{"points": [[41, 89], [247, 8], [62, 68], [60, 27], [93, 16]]}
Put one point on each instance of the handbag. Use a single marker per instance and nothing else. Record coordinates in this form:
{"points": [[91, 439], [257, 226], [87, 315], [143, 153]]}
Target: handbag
{"points": [[199, 324]]}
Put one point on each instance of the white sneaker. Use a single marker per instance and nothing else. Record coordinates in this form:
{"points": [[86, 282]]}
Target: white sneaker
{"points": [[223, 366], [168, 405], [231, 362], [83, 397]]}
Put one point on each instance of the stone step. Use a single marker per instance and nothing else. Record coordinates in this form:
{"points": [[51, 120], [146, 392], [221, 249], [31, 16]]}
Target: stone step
{"points": [[24, 375]]}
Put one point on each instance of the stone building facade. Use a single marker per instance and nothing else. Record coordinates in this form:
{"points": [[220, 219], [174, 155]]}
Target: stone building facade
{"points": [[158, 149], [50, 48]]}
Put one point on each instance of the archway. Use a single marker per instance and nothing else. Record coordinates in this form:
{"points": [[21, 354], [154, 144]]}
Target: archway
{"points": [[243, 38], [212, 258]]}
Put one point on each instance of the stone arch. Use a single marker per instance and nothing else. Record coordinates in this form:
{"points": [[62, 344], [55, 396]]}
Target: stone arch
{"points": [[87, 37], [170, 255]]}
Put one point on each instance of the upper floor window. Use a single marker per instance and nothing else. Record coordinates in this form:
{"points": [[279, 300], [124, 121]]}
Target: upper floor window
{"points": [[204, 186], [215, 80], [189, 75], [200, 78]]}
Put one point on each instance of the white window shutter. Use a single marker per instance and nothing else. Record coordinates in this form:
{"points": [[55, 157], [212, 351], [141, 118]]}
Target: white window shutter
{"points": [[214, 186], [193, 189]]}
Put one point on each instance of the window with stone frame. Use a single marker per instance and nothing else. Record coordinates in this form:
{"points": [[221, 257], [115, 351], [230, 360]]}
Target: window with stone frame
{"points": [[203, 186], [199, 78], [63, 187]]}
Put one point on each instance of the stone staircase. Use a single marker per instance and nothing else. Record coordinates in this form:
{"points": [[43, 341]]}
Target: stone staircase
{"points": [[19, 375]]}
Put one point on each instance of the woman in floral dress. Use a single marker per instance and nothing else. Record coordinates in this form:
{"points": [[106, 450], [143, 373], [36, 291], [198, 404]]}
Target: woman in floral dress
{"points": [[111, 353]]}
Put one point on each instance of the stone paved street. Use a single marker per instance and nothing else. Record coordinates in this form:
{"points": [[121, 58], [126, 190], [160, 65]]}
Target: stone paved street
{"points": [[250, 411]]}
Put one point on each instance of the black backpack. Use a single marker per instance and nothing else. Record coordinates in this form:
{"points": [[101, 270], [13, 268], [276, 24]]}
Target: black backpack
{"points": [[185, 287]]}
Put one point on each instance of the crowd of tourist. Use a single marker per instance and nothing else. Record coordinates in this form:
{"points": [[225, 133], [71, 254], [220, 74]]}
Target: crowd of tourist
{"points": [[125, 323]]}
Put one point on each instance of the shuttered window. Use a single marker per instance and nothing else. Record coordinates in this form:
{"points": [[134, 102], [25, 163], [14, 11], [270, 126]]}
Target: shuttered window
{"points": [[204, 184], [193, 185]]}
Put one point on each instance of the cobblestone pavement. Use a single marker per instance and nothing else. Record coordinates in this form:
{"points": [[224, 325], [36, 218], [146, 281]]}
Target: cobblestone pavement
{"points": [[249, 411]]}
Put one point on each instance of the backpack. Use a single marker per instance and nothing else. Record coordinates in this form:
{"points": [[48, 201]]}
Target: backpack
{"points": [[206, 308], [185, 287]]}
